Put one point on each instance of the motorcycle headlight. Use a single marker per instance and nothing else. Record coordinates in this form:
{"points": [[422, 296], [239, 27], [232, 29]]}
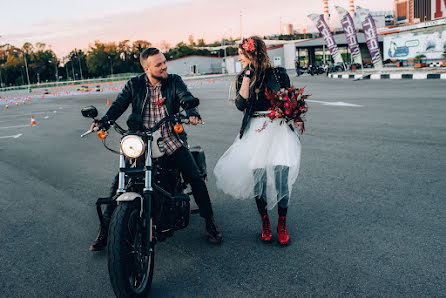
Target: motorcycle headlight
{"points": [[132, 146]]}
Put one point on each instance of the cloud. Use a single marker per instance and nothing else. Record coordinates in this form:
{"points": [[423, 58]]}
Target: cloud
{"points": [[207, 19]]}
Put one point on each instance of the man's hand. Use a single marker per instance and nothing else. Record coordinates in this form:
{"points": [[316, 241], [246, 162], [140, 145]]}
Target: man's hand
{"points": [[93, 125], [194, 120]]}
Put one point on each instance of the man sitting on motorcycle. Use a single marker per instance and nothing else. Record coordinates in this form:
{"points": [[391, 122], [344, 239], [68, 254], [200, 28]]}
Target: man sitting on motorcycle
{"points": [[154, 95]]}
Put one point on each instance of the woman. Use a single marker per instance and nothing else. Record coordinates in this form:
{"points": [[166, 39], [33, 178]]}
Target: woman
{"points": [[263, 162]]}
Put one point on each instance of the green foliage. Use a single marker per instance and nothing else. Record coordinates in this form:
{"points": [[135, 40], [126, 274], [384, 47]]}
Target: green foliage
{"points": [[100, 60], [419, 58]]}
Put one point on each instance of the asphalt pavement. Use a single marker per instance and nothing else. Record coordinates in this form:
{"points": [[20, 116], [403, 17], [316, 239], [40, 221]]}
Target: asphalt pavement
{"points": [[366, 218]]}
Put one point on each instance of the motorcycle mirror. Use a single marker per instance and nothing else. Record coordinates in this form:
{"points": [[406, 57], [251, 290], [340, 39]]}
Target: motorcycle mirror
{"points": [[191, 103], [89, 112], [134, 122]]}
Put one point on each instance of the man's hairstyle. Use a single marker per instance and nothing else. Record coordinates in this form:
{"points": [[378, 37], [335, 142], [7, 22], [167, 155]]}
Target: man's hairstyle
{"points": [[147, 53]]}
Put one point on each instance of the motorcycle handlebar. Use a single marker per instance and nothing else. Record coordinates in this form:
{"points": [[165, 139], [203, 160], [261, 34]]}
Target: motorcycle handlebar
{"points": [[105, 125]]}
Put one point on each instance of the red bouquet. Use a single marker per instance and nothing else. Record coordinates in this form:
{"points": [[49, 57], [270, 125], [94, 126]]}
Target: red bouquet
{"points": [[288, 104]]}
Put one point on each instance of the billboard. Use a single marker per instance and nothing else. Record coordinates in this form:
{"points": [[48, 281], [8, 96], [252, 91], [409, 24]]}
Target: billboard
{"points": [[430, 42], [438, 9]]}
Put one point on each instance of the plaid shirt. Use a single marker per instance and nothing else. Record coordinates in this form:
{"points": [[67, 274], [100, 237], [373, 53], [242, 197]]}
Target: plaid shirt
{"points": [[155, 111]]}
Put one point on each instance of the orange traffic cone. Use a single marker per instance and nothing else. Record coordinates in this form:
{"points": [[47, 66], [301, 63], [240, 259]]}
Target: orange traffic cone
{"points": [[33, 121], [6, 106], [108, 101]]}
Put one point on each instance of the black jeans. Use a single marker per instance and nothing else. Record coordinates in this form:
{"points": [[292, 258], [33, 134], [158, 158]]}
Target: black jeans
{"points": [[182, 160]]}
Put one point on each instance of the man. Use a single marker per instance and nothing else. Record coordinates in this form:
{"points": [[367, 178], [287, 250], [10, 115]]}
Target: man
{"points": [[154, 95]]}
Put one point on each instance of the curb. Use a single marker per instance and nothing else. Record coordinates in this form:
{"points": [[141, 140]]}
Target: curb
{"points": [[391, 76]]}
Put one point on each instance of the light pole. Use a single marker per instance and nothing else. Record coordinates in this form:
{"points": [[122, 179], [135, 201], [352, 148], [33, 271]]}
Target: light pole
{"points": [[80, 67], [56, 73], [72, 69], [111, 66], [26, 67]]}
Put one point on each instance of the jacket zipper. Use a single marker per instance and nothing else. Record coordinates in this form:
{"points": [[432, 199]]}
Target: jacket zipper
{"points": [[145, 99]]}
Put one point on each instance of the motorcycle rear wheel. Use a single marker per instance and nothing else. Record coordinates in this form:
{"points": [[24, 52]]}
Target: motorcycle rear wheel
{"points": [[130, 270]]}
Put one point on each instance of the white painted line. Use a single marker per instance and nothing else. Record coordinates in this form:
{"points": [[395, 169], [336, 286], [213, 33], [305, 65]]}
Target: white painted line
{"points": [[420, 76], [443, 76], [397, 76], [14, 126], [358, 76], [338, 103], [345, 76], [14, 136], [375, 76]]}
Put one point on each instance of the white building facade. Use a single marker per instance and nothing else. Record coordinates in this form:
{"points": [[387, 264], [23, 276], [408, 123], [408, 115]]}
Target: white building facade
{"points": [[195, 64]]}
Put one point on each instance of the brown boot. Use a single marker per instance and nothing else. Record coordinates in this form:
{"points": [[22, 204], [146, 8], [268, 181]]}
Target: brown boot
{"points": [[214, 235], [101, 240]]}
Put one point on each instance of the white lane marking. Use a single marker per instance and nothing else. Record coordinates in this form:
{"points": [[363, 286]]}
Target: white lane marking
{"points": [[338, 103], [14, 136], [14, 126], [26, 114]]}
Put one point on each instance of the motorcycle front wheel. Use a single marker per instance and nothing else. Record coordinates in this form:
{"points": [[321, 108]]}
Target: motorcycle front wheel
{"points": [[129, 267]]}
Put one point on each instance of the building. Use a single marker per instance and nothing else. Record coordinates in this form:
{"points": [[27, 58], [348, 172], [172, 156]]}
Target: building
{"points": [[196, 64], [314, 52], [416, 11], [407, 42]]}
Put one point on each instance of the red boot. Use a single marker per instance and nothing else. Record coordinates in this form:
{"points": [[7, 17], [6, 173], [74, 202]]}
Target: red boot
{"points": [[284, 238], [266, 229]]}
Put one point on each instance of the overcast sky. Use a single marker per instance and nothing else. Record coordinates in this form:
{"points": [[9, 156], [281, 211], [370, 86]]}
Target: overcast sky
{"points": [[66, 25]]}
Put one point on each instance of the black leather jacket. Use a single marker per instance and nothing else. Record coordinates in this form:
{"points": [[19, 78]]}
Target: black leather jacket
{"points": [[136, 92], [275, 79]]}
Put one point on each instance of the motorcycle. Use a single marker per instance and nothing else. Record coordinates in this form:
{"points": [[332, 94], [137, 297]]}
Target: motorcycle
{"points": [[152, 201]]}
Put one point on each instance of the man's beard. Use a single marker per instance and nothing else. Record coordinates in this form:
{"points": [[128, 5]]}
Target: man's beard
{"points": [[159, 78]]}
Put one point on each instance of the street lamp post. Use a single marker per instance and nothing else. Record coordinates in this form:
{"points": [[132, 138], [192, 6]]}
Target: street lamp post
{"points": [[72, 69], [26, 66], [111, 66], [80, 67], [56, 73], [21, 72]]}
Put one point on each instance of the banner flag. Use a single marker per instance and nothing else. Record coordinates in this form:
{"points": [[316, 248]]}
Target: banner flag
{"points": [[350, 34], [323, 28], [371, 35]]}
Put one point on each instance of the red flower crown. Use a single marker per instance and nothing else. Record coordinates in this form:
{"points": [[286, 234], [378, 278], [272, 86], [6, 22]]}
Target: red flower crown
{"points": [[249, 45]]}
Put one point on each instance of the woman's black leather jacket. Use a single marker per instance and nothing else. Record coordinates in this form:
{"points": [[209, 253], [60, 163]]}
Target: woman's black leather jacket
{"points": [[275, 79]]}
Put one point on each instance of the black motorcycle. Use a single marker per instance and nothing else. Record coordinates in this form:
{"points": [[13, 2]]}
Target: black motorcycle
{"points": [[152, 201]]}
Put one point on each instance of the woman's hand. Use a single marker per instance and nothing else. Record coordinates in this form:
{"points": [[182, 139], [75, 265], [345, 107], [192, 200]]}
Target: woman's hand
{"points": [[300, 127], [248, 71]]}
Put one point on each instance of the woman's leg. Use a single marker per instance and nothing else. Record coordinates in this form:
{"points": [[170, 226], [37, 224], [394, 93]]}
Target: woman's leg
{"points": [[283, 195], [260, 198], [260, 190]]}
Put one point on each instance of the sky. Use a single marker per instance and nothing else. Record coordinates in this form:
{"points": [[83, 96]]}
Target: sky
{"points": [[65, 25]]}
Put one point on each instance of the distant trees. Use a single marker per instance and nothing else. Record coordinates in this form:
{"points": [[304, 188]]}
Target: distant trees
{"points": [[99, 60]]}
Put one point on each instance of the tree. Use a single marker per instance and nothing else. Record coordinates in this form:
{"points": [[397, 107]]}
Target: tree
{"points": [[191, 41], [164, 46]]}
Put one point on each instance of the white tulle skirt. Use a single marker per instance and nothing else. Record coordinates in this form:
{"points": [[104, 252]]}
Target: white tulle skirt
{"points": [[263, 163]]}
